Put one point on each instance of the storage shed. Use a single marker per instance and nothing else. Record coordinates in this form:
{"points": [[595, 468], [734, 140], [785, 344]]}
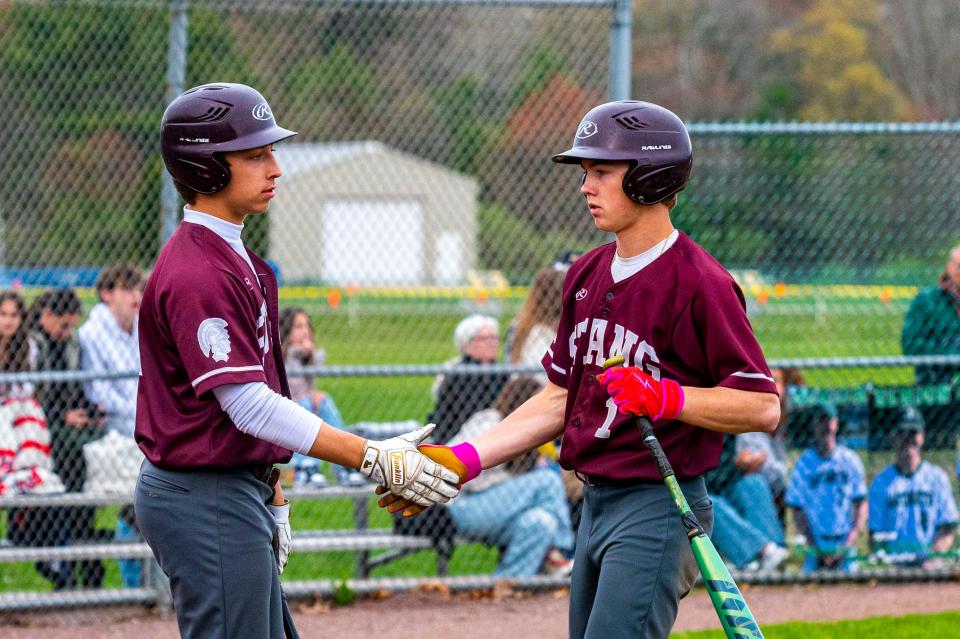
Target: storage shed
{"points": [[363, 213]]}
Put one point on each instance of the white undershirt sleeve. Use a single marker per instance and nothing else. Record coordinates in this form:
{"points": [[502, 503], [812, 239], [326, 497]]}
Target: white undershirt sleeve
{"points": [[257, 410]]}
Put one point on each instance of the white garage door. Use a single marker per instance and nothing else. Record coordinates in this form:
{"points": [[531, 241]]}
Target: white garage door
{"points": [[373, 242]]}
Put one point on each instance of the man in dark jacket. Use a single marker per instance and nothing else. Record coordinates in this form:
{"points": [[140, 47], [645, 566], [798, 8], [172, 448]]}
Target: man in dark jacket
{"points": [[932, 327], [73, 421]]}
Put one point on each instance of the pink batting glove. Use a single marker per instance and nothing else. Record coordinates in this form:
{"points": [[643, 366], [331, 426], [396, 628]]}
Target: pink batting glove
{"points": [[637, 393]]}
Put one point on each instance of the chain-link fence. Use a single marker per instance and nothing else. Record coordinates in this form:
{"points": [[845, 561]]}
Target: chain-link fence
{"points": [[418, 192]]}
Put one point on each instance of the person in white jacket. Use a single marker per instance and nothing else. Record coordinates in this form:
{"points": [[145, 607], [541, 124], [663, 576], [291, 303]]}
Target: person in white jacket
{"points": [[109, 343]]}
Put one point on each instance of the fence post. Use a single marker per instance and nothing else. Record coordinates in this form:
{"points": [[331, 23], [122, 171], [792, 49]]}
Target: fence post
{"points": [[176, 76], [621, 26]]}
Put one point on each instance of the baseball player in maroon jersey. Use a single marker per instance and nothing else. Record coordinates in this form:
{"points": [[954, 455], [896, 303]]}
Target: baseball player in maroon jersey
{"points": [[693, 366], [213, 407]]}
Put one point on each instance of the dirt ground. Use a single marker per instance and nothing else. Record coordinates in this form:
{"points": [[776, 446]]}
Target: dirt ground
{"points": [[504, 614]]}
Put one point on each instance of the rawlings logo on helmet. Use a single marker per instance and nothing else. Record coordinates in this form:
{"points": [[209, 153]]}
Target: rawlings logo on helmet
{"points": [[262, 111], [586, 129]]}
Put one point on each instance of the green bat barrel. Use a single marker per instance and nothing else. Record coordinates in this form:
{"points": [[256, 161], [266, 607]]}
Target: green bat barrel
{"points": [[732, 609]]}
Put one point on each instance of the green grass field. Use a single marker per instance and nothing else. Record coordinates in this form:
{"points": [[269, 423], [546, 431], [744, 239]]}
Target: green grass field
{"points": [[419, 331], [939, 626]]}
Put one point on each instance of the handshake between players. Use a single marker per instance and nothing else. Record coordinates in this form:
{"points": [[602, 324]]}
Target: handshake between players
{"points": [[633, 391]]}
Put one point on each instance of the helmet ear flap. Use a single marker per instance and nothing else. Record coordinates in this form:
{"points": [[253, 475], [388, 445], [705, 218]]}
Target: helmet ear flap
{"points": [[650, 187], [220, 172], [203, 174], [633, 182]]}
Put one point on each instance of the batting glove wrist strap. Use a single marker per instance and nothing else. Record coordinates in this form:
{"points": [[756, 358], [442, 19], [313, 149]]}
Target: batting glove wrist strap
{"points": [[637, 393], [467, 454], [461, 459], [673, 399]]}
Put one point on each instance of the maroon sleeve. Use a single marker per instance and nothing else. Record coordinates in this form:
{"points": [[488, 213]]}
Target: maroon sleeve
{"points": [[733, 356], [215, 331]]}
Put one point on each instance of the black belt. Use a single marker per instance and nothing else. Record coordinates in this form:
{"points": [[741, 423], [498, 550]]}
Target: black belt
{"points": [[266, 473], [603, 482]]}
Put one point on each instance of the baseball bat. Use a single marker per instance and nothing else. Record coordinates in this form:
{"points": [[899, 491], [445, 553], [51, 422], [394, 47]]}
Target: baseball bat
{"points": [[735, 616]]}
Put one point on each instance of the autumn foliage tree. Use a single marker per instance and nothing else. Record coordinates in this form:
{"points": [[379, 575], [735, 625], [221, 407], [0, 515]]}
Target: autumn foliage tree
{"points": [[834, 51]]}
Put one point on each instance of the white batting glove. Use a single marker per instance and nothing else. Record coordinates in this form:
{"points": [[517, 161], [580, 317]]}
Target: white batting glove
{"points": [[397, 464], [284, 538]]}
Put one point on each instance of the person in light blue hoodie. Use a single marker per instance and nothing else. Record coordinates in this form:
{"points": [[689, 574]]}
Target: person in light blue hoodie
{"points": [[109, 343]]}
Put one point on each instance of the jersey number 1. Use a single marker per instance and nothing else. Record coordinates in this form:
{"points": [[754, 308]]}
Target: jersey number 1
{"points": [[604, 431]]}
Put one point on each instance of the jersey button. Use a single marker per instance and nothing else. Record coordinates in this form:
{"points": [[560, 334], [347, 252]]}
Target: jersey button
{"points": [[605, 311], [576, 422], [608, 296]]}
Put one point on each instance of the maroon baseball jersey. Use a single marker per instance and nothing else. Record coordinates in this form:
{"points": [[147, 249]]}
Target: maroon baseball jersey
{"points": [[682, 317], [205, 322]]}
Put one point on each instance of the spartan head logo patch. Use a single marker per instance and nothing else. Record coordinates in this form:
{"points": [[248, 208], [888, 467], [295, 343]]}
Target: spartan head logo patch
{"points": [[214, 339]]}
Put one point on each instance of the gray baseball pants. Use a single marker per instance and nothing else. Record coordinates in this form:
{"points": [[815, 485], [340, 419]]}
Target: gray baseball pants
{"points": [[212, 534], [633, 561]]}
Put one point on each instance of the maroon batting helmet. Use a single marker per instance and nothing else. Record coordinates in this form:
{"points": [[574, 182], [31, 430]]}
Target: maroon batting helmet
{"points": [[650, 137], [208, 121]]}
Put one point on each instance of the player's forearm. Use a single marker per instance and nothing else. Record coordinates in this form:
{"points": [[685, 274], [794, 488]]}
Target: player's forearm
{"points": [[263, 413], [729, 410], [337, 446], [538, 421]]}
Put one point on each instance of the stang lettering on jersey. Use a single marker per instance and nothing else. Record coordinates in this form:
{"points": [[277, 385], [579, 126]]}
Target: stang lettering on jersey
{"points": [[636, 352], [681, 317]]}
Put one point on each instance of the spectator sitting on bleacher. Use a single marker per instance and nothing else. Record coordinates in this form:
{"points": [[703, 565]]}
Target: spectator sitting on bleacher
{"points": [[108, 343], [460, 395], [73, 420], [913, 513], [25, 466], [746, 528], [521, 505], [766, 453], [932, 327], [828, 494], [299, 350]]}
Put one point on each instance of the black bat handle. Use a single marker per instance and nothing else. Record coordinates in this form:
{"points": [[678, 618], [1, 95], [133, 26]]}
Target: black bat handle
{"points": [[653, 445]]}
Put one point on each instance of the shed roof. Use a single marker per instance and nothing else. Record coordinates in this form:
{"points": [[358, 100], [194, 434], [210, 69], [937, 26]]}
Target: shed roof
{"points": [[301, 157]]}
